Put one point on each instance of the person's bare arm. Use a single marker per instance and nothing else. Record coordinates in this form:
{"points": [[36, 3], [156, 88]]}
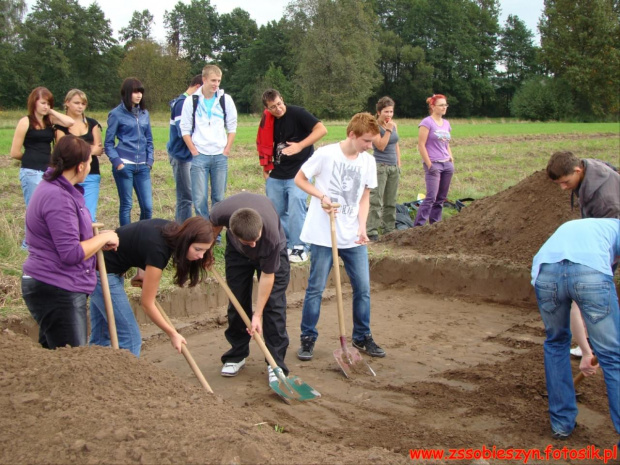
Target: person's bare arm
{"points": [[382, 141], [150, 285], [61, 119], [265, 285], [318, 131], [422, 138], [18, 138]]}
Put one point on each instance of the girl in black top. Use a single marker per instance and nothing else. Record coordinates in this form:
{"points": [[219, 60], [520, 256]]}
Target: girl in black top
{"points": [[35, 134], [89, 130], [149, 244]]}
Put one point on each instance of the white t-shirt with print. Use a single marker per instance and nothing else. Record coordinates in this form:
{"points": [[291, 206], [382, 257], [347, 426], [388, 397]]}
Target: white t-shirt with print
{"points": [[344, 181]]}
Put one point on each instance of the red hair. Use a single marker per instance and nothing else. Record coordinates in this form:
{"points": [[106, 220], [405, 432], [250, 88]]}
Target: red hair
{"points": [[40, 93], [431, 100]]}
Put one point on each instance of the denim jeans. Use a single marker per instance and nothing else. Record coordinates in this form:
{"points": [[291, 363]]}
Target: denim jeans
{"points": [[557, 285], [290, 204], [183, 181], [356, 265], [240, 277], [382, 211], [127, 328], [60, 314], [29, 180], [91, 193], [437, 185], [207, 168], [132, 177]]}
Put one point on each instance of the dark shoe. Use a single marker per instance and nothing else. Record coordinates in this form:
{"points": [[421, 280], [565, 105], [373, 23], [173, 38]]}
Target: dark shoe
{"points": [[306, 349], [373, 238], [368, 346]]}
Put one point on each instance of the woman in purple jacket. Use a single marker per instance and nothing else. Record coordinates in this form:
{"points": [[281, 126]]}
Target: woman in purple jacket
{"points": [[434, 146], [59, 272]]}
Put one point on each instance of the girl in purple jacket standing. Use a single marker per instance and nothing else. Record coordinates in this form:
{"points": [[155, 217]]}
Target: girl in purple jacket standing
{"points": [[59, 273], [434, 146]]}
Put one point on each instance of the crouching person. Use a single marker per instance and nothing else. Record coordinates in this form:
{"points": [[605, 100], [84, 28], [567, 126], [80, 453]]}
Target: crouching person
{"points": [[575, 264], [255, 243]]}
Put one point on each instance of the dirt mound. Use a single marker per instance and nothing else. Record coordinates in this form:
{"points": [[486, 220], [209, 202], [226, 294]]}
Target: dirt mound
{"points": [[95, 405], [510, 225]]}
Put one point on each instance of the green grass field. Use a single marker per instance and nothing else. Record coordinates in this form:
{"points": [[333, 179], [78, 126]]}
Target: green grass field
{"points": [[490, 156]]}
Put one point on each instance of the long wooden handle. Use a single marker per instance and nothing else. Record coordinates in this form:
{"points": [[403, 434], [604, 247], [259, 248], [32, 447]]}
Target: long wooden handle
{"points": [[188, 356], [105, 287], [257, 337], [580, 377], [336, 267]]}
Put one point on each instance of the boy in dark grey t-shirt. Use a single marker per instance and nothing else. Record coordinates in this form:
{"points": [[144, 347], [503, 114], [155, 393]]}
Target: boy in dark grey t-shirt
{"points": [[255, 242]]}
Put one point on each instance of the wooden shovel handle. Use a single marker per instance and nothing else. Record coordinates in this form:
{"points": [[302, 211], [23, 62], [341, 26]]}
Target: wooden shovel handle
{"points": [[185, 351], [336, 268], [105, 288], [257, 337], [580, 377]]}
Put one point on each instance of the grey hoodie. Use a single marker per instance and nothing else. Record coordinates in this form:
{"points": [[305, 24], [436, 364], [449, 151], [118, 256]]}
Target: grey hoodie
{"points": [[599, 192]]}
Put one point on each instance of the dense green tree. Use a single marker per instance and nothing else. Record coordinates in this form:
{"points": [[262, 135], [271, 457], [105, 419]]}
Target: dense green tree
{"points": [[580, 44], [67, 46], [192, 31], [458, 39], [11, 85], [11, 15], [407, 78], [517, 57], [270, 50], [543, 98], [162, 74], [336, 56], [236, 32], [139, 27]]}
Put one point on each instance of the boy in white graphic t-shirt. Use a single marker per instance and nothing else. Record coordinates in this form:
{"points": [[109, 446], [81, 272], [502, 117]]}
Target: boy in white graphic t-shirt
{"points": [[343, 173]]}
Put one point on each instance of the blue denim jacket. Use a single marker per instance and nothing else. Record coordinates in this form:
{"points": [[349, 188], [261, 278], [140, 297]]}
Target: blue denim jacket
{"points": [[133, 131]]}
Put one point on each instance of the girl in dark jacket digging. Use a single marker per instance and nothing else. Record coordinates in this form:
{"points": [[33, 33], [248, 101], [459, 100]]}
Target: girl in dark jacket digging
{"points": [[149, 244]]}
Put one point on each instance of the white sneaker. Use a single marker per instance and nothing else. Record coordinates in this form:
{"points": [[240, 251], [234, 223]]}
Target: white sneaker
{"points": [[576, 352], [232, 369], [298, 255], [272, 376]]}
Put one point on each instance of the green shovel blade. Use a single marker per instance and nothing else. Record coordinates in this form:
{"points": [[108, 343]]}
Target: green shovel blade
{"points": [[292, 387]]}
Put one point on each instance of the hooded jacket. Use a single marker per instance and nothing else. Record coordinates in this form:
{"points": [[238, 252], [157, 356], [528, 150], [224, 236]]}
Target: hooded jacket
{"points": [[599, 192]]}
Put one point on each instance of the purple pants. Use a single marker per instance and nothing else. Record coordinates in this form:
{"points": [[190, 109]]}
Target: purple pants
{"points": [[437, 185]]}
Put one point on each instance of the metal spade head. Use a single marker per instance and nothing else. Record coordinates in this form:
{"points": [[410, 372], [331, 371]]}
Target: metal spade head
{"points": [[292, 387], [351, 362]]}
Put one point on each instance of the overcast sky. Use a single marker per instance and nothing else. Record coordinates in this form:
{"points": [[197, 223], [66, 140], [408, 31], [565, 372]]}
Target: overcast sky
{"points": [[262, 11]]}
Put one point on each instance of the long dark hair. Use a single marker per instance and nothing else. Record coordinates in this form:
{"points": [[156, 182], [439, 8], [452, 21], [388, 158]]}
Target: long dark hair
{"points": [[129, 86], [39, 93], [179, 238], [68, 153]]}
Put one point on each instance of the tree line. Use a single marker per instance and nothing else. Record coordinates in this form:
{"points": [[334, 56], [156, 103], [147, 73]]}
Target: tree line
{"points": [[334, 57]]}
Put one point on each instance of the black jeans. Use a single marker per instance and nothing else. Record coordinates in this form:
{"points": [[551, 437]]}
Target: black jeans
{"points": [[61, 314], [239, 276]]}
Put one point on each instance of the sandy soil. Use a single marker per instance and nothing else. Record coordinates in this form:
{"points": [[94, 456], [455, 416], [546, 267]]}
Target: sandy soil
{"points": [[459, 373]]}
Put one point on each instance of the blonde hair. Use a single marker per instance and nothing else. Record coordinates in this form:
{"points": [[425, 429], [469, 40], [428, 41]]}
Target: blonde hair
{"points": [[72, 93], [211, 69]]}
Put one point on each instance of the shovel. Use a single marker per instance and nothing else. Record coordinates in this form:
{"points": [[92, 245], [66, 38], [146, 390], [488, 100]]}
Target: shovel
{"points": [[349, 359], [105, 288], [288, 387], [185, 351]]}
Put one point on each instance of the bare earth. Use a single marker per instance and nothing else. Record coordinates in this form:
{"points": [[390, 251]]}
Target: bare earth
{"points": [[459, 372]]}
